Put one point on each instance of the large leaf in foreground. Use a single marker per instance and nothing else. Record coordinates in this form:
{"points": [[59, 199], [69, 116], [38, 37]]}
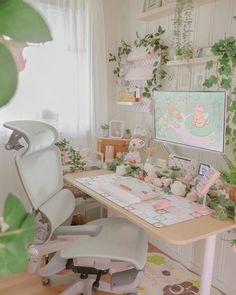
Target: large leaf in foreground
{"points": [[8, 75], [15, 241], [22, 23]]}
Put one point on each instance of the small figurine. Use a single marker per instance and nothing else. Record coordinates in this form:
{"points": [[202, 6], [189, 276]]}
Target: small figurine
{"points": [[133, 156], [199, 117]]}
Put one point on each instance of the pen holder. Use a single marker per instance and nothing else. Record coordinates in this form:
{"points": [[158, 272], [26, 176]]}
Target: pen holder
{"points": [[109, 153]]}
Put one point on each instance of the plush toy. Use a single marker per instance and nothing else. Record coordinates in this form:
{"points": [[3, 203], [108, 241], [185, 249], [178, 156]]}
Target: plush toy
{"points": [[133, 156], [139, 142]]}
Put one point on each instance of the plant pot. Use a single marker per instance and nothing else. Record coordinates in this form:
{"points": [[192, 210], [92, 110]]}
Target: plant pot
{"points": [[178, 57], [232, 192], [105, 132]]}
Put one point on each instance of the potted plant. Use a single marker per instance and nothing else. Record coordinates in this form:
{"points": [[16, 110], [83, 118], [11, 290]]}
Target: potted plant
{"points": [[63, 145], [105, 130], [75, 160], [229, 177], [127, 133], [182, 29]]}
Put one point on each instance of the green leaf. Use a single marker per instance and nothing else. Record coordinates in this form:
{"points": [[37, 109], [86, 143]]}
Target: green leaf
{"points": [[228, 130], [234, 17], [14, 242], [209, 64], [212, 80], [13, 257], [14, 213], [226, 83], [8, 76], [22, 23]]}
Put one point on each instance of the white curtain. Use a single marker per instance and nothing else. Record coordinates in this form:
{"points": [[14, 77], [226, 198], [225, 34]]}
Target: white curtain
{"points": [[64, 81]]}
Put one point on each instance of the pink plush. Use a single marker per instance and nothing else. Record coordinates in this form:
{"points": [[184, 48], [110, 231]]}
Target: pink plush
{"points": [[192, 196], [161, 204]]}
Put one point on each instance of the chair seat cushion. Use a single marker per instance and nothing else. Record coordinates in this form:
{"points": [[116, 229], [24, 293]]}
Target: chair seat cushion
{"points": [[119, 240]]}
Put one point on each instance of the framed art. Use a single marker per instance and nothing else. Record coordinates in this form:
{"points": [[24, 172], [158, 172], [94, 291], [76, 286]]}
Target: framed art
{"points": [[116, 129], [203, 168], [150, 4]]}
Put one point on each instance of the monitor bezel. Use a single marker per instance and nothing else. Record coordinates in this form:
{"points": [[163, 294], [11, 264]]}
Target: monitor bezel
{"points": [[183, 144]]}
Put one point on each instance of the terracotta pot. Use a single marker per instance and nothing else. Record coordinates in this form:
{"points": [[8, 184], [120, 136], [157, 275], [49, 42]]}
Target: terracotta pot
{"points": [[232, 192]]}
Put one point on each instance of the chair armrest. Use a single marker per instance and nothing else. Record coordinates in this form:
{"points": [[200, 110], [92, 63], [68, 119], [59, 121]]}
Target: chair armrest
{"points": [[78, 230], [67, 236]]}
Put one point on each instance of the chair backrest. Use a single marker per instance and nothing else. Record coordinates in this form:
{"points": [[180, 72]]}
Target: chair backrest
{"points": [[40, 170], [40, 174]]}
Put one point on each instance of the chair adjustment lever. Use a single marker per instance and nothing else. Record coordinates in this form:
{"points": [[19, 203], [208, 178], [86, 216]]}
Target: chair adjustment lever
{"points": [[96, 282]]}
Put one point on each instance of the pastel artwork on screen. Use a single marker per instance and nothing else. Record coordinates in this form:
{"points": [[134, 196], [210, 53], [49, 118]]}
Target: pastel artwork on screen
{"points": [[196, 119]]}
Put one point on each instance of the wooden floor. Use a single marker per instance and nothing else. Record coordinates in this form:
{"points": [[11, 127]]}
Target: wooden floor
{"points": [[29, 284]]}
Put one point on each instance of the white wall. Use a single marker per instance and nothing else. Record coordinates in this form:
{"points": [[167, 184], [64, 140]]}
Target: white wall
{"points": [[210, 22]]}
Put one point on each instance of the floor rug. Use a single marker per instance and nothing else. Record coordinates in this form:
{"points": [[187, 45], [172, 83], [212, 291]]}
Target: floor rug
{"points": [[164, 276]]}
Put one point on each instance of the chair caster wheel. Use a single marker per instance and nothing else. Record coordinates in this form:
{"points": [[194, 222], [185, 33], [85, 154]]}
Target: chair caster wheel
{"points": [[95, 287], [45, 281]]}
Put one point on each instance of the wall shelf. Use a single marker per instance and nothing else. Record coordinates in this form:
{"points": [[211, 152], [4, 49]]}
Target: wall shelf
{"points": [[158, 12], [141, 106], [191, 61], [127, 103]]}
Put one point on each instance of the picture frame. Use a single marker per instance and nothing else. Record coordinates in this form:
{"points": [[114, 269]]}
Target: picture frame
{"points": [[203, 168], [116, 129], [150, 4]]}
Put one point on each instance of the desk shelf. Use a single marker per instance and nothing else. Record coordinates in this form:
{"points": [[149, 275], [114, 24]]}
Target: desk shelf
{"points": [[167, 9], [191, 61]]}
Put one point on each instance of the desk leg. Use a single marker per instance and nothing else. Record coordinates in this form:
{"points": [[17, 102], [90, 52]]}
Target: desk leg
{"points": [[208, 264]]}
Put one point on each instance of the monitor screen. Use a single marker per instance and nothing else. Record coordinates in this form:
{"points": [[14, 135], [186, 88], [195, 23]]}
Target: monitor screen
{"points": [[190, 118]]}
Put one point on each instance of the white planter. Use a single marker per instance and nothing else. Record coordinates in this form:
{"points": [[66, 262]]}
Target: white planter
{"points": [[105, 132]]}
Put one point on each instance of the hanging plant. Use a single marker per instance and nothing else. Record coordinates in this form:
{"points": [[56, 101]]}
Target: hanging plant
{"points": [[225, 49], [123, 50], [152, 43], [183, 28]]}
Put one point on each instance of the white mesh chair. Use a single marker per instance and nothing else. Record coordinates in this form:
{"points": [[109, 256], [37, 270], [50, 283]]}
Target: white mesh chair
{"points": [[88, 251]]}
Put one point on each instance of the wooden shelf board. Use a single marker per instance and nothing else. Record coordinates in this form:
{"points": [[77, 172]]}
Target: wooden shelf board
{"points": [[155, 13], [128, 103], [192, 61]]}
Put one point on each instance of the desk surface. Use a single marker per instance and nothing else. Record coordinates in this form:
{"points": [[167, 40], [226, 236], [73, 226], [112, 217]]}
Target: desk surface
{"points": [[180, 234]]}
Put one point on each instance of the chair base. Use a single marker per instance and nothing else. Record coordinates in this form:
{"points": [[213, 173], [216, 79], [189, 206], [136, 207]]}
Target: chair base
{"points": [[122, 282]]}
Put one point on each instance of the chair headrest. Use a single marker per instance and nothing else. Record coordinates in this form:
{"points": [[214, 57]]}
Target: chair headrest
{"points": [[38, 135]]}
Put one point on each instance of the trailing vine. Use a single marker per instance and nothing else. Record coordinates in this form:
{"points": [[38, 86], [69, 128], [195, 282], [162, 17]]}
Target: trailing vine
{"points": [[183, 27], [225, 49], [152, 43], [123, 50]]}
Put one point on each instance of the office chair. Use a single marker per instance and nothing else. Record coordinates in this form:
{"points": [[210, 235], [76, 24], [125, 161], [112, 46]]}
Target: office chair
{"points": [[106, 245]]}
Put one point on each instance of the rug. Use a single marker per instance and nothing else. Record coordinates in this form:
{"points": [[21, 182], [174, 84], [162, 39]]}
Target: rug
{"points": [[164, 276]]}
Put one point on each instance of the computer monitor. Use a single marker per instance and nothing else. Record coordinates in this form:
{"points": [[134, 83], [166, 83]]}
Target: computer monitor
{"points": [[191, 118]]}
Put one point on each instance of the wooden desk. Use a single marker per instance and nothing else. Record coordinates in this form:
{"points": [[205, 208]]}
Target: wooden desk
{"points": [[183, 233]]}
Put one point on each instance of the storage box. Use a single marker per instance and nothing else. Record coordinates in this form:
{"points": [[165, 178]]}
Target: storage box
{"points": [[127, 96]]}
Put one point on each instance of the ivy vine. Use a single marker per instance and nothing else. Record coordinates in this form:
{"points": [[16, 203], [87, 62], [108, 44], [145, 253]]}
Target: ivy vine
{"points": [[123, 50], [152, 43], [225, 49], [183, 27]]}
